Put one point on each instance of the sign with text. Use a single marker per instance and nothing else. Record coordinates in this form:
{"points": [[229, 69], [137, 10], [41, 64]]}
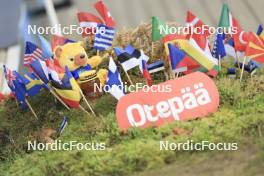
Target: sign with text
{"points": [[188, 97]]}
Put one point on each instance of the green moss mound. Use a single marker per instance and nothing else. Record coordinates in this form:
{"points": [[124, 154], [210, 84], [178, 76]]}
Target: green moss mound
{"points": [[240, 119]]}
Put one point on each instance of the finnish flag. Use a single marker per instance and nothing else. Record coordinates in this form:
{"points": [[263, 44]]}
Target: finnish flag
{"points": [[114, 83]]}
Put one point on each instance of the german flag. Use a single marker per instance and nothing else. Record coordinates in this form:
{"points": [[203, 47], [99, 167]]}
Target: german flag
{"points": [[255, 48], [69, 90]]}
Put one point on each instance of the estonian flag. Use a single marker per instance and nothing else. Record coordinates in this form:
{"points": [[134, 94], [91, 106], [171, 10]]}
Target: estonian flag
{"points": [[156, 66], [130, 57], [114, 83]]}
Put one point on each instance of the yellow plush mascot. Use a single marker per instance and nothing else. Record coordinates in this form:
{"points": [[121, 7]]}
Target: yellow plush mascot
{"points": [[83, 68]]}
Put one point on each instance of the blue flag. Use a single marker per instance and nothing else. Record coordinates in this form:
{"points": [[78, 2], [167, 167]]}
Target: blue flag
{"points": [[219, 48], [176, 56], [46, 48], [63, 125], [103, 41], [40, 69]]}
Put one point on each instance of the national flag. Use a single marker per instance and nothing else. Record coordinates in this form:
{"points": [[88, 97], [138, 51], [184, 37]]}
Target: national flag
{"points": [[219, 48], [46, 48], [114, 84], [105, 14], [103, 41], [57, 40], [157, 32], [33, 84], [69, 90], [88, 22], [255, 48], [156, 66], [250, 66], [63, 125], [260, 32], [32, 52], [194, 23], [176, 56], [2, 97], [146, 74], [19, 90], [129, 57], [194, 51], [227, 21], [39, 67], [231, 72], [10, 77], [54, 69]]}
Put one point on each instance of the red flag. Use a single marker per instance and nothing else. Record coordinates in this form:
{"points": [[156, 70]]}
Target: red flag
{"points": [[240, 38], [255, 48], [2, 97], [88, 21], [194, 23], [59, 41], [146, 74], [105, 14]]}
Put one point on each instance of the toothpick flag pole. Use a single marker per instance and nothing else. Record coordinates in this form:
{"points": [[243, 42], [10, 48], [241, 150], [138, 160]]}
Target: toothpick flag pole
{"points": [[31, 109], [58, 98], [238, 62], [87, 103], [243, 68], [129, 79], [219, 62], [83, 109]]}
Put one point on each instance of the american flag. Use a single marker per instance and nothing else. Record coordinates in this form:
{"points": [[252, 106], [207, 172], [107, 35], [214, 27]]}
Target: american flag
{"points": [[10, 77], [32, 52]]}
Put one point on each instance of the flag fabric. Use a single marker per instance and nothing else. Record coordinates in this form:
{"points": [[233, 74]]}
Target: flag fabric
{"points": [[88, 22], [105, 14], [32, 52], [224, 18], [103, 41], [260, 32], [69, 90], [57, 40], [219, 48], [19, 90], [114, 84], [130, 57], [250, 66], [10, 77], [194, 22], [63, 125], [255, 48], [2, 97], [54, 70], [33, 84], [39, 67], [157, 34], [156, 66], [145, 72], [46, 48], [176, 56]]}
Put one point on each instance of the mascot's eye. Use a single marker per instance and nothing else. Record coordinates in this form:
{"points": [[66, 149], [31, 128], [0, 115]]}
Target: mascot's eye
{"points": [[71, 59]]}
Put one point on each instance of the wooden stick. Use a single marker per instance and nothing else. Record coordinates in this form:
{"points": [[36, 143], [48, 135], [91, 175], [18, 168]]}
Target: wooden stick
{"points": [[85, 100], [219, 63], [177, 74], [97, 52], [238, 62], [31, 109], [83, 109], [129, 79], [58, 98], [243, 68]]}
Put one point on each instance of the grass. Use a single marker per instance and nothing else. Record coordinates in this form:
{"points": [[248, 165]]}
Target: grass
{"points": [[239, 119]]}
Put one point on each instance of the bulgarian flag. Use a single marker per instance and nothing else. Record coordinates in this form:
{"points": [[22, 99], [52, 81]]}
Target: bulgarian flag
{"points": [[227, 21], [255, 48], [157, 33]]}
